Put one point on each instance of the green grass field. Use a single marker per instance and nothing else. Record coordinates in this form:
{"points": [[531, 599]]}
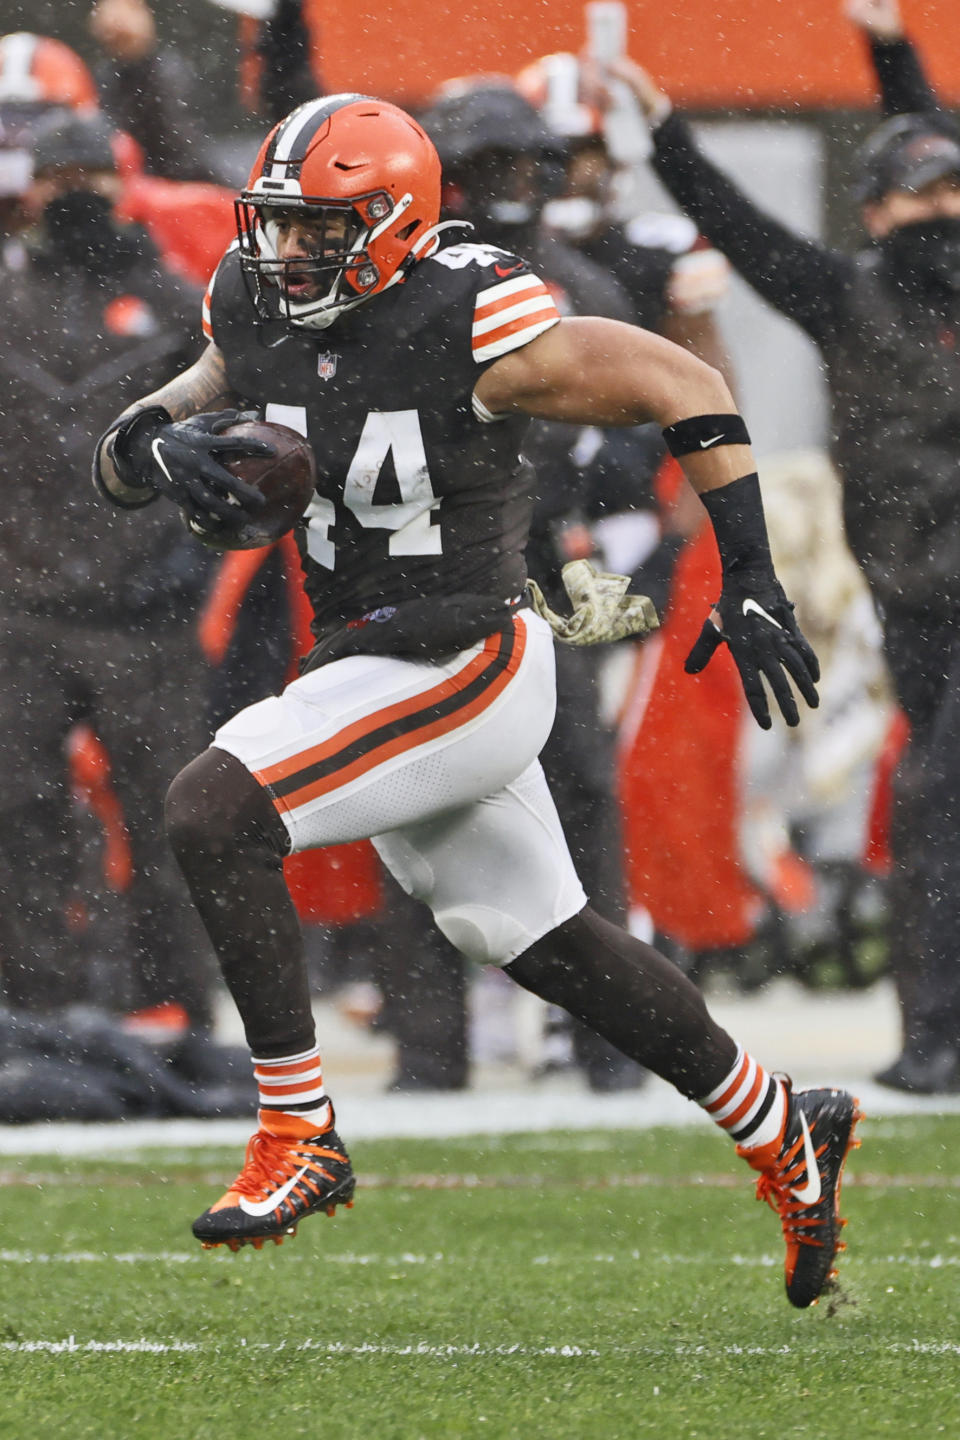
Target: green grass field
{"points": [[601, 1284]]}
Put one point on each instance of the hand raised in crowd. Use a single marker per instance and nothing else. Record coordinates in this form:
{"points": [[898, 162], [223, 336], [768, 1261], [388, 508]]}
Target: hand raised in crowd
{"points": [[654, 102], [125, 29], [881, 19]]}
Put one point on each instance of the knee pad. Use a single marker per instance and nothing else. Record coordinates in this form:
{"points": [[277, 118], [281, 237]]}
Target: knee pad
{"points": [[485, 935]]}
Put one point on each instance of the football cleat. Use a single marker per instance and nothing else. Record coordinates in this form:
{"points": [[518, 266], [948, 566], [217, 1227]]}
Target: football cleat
{"points": [[800, 1177], [285, 1177]]}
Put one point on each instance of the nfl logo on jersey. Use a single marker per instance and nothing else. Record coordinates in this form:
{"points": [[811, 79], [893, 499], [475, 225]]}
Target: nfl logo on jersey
{"points": [[327, 365]]}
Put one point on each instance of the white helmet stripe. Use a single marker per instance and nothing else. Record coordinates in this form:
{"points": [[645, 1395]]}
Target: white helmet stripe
{"points": [[16, 58], [295, 133]]}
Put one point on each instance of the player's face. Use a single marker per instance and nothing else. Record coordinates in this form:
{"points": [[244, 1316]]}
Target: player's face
{"points": [[301, 238], [53, 184], [589, 171], [940, 200]]}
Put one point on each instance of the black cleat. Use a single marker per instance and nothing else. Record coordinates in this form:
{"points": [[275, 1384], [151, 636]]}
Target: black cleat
{"points": [[800, 1178], [284, 1179]]}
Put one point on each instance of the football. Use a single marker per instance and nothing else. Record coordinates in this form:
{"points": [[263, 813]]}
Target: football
{"points": [[287, 480]]}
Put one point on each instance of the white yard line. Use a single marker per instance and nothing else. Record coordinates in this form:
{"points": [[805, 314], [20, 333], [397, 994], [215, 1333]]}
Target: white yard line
{"points": [[72, 1346], [936, 1261], [438, 1116]]}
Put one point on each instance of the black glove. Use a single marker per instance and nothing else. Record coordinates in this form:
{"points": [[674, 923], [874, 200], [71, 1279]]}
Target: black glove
{"points": [[180, 459], [764, 639]]}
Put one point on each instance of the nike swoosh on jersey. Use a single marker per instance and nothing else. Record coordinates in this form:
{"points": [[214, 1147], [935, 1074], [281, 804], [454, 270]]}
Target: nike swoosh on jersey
{"points": [[504, 270], [808, 1194], [266, 1207], [752, 606]]}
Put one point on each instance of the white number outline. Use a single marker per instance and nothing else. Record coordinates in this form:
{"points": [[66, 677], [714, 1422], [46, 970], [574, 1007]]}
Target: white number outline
{"points": [[385, 433]]}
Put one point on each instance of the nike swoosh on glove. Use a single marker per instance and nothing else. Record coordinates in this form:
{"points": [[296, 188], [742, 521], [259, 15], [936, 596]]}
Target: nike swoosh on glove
{"points": [[181, 459], [757, 624], [602, 609]]}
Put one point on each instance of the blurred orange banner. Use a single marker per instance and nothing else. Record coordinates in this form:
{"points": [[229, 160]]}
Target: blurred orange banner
{"points": [[708, 54]]}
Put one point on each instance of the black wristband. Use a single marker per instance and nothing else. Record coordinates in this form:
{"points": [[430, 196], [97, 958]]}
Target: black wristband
{"points": [[736, 514], [131, 437], [134, 492], [705, 432]]}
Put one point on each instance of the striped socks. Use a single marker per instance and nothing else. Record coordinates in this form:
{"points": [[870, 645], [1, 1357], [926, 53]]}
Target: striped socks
{"points": [[750, 1104], [293, 1085]]}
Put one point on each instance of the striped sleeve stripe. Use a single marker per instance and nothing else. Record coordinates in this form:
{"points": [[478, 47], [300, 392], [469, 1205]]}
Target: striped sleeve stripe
{"points": [[289, 1062], [289, 1094], [495, 316], [749, 1105], [510, 315], [206, 315], [716, 1096], [297, 1073], [732, 1094], [496, 296]]}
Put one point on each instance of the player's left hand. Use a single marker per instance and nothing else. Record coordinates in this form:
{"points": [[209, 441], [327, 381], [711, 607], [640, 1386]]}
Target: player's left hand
{"points": [[755, 620]]}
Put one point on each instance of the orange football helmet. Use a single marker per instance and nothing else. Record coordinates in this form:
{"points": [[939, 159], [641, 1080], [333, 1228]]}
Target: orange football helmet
{"points": [[340, 157], [37, 70]]}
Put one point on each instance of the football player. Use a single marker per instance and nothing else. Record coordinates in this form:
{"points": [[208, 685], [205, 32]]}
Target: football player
{"points": [[420, 713]]}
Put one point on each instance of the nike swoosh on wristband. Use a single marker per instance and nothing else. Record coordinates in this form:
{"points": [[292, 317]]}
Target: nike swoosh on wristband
{"points": [[749, 606], [264, 1207], [808, 1194], [705, 444]]}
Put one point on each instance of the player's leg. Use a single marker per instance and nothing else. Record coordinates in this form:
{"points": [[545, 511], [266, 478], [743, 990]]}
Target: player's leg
{"points": [[356, 747], [797, 1140], [230, 844], [502, 887]]}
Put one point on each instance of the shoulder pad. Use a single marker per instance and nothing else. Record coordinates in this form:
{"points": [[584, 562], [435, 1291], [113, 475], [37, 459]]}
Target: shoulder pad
{"points": [[512, 307], [468, 254], [206, 320]]}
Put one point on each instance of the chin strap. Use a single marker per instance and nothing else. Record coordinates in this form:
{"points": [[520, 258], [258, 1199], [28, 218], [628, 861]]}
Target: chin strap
{"points": [[602, 609], [431, 235]]}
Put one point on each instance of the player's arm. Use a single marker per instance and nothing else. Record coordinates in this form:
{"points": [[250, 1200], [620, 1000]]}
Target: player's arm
{"points": [[590, 371], [170, 443]]}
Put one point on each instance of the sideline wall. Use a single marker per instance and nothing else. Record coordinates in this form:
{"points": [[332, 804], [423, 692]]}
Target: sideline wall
{"points": [[709, 54]]}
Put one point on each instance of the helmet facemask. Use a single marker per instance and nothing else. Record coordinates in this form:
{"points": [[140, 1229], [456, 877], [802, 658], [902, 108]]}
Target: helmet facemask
{"points": [[336, 268]]}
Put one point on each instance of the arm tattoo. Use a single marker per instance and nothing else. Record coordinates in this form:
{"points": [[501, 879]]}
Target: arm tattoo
{"points": [[202, 388]]}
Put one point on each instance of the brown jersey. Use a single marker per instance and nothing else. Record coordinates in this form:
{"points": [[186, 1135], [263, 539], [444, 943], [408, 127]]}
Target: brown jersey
{"points": [[419, 494]]}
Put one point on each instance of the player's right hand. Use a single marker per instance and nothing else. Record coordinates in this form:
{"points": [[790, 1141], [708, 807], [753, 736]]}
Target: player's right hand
{"points": [[182, 460]]}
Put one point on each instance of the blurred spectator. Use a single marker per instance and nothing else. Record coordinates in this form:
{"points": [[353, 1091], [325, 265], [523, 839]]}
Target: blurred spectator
{"points": [[808, 793], [674, 278], [94, 629], [37, 76], [887, 322], [276, 70], [149, 90]]}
